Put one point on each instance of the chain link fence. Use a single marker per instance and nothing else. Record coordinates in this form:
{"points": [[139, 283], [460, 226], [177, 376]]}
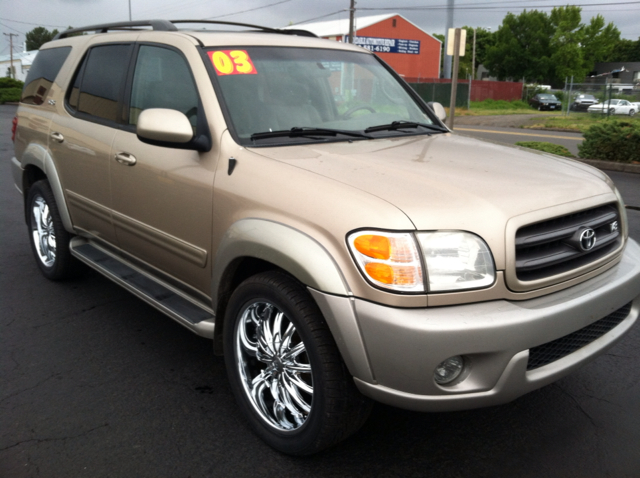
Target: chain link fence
{"points": [[600, 96]]}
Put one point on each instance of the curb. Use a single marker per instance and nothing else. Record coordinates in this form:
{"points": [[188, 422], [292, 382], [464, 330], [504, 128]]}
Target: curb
{"points": [[611, 166]]}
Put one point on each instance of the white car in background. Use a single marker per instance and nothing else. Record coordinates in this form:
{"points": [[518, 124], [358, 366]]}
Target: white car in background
{"points": [[615, 106]]}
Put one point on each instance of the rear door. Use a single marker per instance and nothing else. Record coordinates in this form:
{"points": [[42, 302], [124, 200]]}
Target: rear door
{"points": [[81, 138]]}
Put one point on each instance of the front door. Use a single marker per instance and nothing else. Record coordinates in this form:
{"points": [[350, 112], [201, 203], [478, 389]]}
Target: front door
{"points": [[163, 197]]}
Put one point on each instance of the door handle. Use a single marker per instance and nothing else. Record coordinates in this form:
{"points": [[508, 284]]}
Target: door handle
{"points": [[57, 137], [126, 159]]}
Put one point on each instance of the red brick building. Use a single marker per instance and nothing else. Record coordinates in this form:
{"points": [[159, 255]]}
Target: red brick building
{"points": [[408, 49]]}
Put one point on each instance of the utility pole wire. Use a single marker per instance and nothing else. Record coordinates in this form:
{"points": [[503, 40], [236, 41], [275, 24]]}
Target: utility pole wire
{"points": [[11, 35], [352, 15]]}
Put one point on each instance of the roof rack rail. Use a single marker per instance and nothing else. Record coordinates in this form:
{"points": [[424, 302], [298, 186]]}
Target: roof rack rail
{"points": [[302, 33], [160, 25], [169, 26]]}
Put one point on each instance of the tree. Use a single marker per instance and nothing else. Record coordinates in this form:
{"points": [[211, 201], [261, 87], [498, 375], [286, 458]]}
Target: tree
{"points": [[442, 52], [566, 43], [484, 40], [38, 36], [521, 47], [599, 42], [625, 50]]}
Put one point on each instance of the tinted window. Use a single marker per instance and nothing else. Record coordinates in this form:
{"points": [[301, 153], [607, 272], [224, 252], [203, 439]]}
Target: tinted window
{"points": [[102, 81], [162, 79], [42, 73]]}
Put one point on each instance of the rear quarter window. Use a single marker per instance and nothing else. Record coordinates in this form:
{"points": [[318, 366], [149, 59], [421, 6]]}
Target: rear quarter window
{"points": [[42, 74]]}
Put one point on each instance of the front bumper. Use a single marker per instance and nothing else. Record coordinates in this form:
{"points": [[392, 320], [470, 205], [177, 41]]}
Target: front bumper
{"points": [[393, 352]]}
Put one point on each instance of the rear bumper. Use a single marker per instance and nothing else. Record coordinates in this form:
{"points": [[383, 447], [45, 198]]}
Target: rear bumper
{"points": [[402, 347]]}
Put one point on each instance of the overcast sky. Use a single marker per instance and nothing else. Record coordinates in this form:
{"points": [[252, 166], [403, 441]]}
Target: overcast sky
{"points": [[20, 16]]}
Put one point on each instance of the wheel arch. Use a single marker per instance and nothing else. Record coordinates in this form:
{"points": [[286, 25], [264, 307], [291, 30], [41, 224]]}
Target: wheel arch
{"points": [[251, 246], [37, 164]]}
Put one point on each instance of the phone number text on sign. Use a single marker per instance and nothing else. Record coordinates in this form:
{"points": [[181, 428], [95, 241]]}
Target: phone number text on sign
{"points": [[232, 62], [388, 45]]}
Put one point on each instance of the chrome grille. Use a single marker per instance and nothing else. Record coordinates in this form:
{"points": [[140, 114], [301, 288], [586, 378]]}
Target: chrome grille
{"points": [[551, 351], [562, 244]]}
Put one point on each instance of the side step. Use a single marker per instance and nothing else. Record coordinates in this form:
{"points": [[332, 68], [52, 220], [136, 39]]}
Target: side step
{"points": [[163, 297]]}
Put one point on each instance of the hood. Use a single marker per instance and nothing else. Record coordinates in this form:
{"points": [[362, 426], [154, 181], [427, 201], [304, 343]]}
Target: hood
{"points": [[447, 181]]}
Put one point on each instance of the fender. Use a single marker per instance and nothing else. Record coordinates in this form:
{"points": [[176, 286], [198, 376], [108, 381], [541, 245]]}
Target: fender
{"points": [[37, 155], [290, 249], [309, 262]]}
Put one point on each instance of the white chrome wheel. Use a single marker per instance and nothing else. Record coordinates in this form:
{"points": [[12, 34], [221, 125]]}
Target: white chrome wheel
{"points": [[274, 366], [43, 232]]}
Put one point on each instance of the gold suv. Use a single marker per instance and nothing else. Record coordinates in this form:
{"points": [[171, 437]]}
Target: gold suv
{"points": [[295, 201]]}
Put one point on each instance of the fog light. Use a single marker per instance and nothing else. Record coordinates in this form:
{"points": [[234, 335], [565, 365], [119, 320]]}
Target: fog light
{"points": [[448, 370]]}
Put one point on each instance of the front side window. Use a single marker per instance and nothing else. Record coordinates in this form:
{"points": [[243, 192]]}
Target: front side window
{"points": [[98, 84], [268, 90], [42, 74], [162, 79]]}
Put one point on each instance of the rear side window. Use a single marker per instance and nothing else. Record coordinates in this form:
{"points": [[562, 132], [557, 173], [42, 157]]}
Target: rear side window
{"points": [[98, 84], [42, 74]]}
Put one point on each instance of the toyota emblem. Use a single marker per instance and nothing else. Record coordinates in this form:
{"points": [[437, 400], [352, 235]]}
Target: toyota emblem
{"points": [[587, 239]]}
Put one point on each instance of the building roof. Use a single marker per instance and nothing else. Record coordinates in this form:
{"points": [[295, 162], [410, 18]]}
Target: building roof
{"points": [[341, 27], [24, 57]]}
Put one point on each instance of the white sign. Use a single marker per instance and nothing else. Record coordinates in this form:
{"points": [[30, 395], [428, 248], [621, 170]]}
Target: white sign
{"points": [[452, 38]]}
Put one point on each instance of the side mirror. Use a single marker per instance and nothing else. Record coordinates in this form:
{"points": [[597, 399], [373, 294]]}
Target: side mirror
{"points": [[164, 126], [439, 110]]}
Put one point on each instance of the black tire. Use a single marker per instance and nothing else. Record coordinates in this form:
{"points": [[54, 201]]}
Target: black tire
{"points": [[335, 407], [632, 112], [49, 242]]}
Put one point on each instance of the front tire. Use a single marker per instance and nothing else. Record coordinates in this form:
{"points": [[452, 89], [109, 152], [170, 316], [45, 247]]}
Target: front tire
{"points": [[285, 369], [48, 237], [632, 112]]}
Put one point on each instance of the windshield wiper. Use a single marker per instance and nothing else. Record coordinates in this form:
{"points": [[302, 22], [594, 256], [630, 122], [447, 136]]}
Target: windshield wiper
{"points": [[299, 131], [396, 125]]}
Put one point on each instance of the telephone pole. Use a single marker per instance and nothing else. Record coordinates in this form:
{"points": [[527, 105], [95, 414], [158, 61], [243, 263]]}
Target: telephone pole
{"points": [[11, 35], [352, 15]]}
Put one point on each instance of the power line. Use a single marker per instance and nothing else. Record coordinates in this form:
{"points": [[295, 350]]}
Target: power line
{"points": [[173, 7], [322, 16], [475, 6], [249, 10], [36, 24], [7, 26]]}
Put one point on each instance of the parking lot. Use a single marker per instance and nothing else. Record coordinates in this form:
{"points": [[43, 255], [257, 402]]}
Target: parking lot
{"points": [[96, 383]]}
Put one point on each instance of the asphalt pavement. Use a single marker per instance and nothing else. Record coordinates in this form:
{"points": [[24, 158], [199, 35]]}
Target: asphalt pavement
{"points": [[95, 383]]}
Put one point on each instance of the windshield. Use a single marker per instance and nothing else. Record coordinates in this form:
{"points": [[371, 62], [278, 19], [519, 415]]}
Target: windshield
{"points": [[548, 97], [322, 95]]}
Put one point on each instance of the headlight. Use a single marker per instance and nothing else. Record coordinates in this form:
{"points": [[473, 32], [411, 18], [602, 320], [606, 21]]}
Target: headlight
{"points": [[388, 260], [456, 261]]}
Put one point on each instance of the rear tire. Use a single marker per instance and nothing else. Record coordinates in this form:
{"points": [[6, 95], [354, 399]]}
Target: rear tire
{"points": [[285, 369], [48, 237]]}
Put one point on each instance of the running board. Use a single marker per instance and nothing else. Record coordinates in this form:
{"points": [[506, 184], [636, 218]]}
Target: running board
{"points": [[193, 316]]}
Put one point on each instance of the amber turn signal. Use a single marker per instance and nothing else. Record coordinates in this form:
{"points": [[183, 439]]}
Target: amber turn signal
{"points": [[377, 247]]}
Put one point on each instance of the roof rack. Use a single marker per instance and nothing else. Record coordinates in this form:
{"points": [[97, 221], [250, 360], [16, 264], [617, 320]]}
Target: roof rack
{"points": [[301, 33], [159, 25], [169, 26]]}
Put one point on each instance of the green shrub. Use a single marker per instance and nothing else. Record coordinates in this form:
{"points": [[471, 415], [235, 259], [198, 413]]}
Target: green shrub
{"points": [[10, 83], [547, 148], [612, 141], [10, 94]]}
